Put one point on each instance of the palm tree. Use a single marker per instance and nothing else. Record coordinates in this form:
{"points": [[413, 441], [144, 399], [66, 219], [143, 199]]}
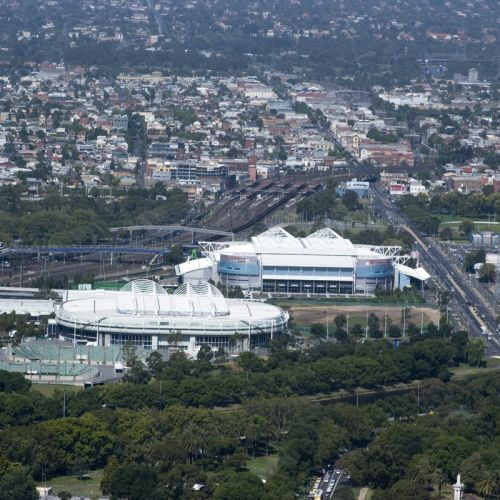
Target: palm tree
{"points": [[254, 430], [438, 478], [487, 486], [420, 471]]}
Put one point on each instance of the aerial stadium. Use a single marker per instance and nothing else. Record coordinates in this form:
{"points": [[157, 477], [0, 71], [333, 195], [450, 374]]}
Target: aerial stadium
{"points": [[323, 263], [144, 314]]}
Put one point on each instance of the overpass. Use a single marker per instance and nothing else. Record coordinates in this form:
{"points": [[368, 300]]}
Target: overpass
{"points": [[81, 249], [192, 230]]}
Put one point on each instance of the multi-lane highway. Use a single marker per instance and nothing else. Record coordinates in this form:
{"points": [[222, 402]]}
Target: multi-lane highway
{"points": [[477, 315]]}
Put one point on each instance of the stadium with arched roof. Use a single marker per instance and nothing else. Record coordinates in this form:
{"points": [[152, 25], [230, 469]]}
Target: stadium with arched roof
{"points": [[146, 315]]}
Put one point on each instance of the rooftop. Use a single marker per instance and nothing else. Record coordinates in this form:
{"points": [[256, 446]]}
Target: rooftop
{"points": [[145, 304], [277, 240]]}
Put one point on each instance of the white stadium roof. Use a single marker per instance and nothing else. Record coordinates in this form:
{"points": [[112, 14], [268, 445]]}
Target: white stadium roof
{"points": [[278, 241], [147, 300]]}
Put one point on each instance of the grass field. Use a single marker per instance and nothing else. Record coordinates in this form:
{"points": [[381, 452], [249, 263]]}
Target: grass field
{"points": [[303, 317], [78, 487], [263, 466], [49, 389], [453, 222], [464, 370]]}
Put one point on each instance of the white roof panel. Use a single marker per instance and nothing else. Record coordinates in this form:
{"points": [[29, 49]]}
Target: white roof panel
{"points": [[419, 273], [35, 307], [194, 265]]}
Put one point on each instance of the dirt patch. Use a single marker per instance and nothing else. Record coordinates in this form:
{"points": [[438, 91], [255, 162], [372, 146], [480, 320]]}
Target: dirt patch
{"points": [[318, 314]]}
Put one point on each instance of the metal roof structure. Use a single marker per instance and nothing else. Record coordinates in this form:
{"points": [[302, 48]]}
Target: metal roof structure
{"points": [[144, 298], [145, 307], [324, 242], [143, 286], [326, 233]]}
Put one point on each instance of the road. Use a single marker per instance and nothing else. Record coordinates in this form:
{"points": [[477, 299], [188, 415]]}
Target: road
{"points": [[469, 305], [154, 12], [325, 486], [471, 308]]}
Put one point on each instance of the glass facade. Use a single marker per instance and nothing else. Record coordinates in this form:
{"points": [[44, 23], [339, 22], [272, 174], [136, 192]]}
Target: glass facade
{"points": [[77, 333], [307, 286], [143, 341], [260, 340], [213, 341]]}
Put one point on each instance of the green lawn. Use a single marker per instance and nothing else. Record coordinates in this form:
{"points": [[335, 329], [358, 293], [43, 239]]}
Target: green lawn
{"points": [[460, 218], [464, 370], [49, 389], [263, 466], [453, 222], [78, 487]]}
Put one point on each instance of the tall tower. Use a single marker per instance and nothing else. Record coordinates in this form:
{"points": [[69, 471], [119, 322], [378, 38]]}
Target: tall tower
{"points": [[458, 489]]}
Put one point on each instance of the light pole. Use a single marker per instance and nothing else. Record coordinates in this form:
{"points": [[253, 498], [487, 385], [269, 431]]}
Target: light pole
{"points": [[385, 323], [327, 335]]}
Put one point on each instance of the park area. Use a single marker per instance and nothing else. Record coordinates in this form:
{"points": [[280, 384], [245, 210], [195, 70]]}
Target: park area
{"points": [[453, 227], [86, 486]]}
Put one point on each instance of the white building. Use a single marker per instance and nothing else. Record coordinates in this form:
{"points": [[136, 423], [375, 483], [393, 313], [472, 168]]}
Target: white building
{"points": [[277, 262], [143, 313], [416, 188]]}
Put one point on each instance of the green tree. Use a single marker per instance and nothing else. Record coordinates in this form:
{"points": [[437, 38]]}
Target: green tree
{"points": [[466, 227], [205, 353], [111, 466], [17, 484], [318, 330], [374, 326], [241, 486], [487, 486], [487, 273], [129, 353], [475, 352], [250, 362], [340, 321], [137, 373], [409, 490], [420, 470], [438, 478], [351, 201], [446, 233], [155, 363], [136, 482], [394, 331]]}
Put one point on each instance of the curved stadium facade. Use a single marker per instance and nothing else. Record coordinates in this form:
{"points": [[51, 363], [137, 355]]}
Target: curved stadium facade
{"points": [[323, 263], [143, 313]]}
